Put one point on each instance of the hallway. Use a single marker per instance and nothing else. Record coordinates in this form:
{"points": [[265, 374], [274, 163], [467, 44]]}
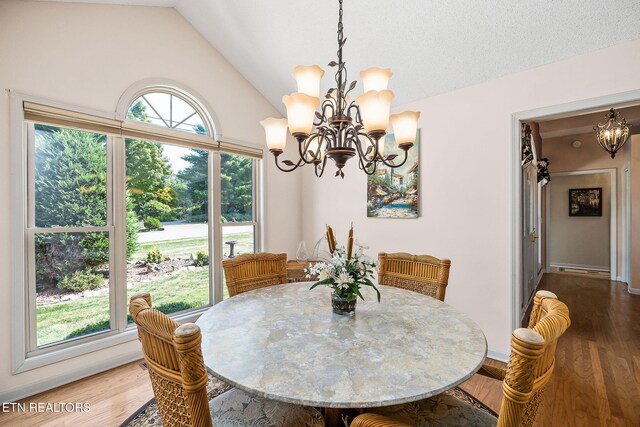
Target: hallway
{"points": [[597, 376]]}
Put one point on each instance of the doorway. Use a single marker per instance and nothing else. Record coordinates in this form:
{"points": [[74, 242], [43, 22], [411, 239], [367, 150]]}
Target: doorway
{"points": [[528, 234]]}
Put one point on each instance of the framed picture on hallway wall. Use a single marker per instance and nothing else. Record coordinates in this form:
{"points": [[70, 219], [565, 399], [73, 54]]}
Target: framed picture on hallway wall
{"points": [[585, 202], [394, 192]]}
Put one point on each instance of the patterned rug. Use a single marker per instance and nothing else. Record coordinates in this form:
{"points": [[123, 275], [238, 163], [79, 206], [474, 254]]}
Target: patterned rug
{"points": [[148, 415]]}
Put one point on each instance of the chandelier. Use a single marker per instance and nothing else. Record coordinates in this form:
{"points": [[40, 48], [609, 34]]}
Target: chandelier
{"points": [[612, 134], [341, 129]]}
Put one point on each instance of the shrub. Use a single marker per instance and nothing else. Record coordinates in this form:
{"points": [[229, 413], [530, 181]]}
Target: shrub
{"points": [[154, 256], [81, 280], [152, 223], [71, 190], [155, 209], [198, 218], [202, 259]]}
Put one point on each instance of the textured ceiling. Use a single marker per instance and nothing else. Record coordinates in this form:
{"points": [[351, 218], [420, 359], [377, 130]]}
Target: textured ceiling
{"points": [[432, 46]]}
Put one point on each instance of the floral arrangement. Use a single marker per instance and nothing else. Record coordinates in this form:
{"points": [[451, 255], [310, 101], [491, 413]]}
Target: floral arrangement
{"points": [[346, 272]]}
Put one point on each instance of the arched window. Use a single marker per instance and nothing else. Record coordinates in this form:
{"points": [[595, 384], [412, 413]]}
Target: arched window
{"points": [[168, 109], [148, 197]]}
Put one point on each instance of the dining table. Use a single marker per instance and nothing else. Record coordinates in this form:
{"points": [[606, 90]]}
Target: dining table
{"points": [[284, 342]]}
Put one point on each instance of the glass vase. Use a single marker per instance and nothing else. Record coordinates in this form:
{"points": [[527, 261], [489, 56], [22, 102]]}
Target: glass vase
{"points": [[342, 306], [301, 254]]}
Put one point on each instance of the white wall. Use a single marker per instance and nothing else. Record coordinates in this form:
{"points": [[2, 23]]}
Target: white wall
{"points": [[88, 55], [564, 158], [579, 241], [466, 186]]}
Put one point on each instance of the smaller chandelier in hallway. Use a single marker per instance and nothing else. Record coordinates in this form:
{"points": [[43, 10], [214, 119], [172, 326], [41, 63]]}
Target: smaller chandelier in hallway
{"points": [[343, 129], [612, 134]]}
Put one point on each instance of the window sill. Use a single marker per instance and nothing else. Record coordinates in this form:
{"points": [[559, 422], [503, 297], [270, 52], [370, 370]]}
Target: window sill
{"points": [[110, 340]]}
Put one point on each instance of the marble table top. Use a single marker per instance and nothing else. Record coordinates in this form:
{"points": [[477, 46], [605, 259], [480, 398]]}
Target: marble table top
{"points": [[284, 342]]}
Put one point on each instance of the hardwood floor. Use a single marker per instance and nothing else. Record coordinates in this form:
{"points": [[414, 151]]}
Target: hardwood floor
{"points": [[597, 375], [112, 395], [596, 380]]}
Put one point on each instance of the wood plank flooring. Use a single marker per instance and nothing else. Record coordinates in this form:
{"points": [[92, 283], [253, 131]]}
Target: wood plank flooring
{"points": [[112, 395], [597, 376], [596, 381]]}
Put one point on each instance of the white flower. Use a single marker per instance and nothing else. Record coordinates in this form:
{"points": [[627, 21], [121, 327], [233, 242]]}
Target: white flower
{"points": [[324, 275], [361, 245], [344, 278]]}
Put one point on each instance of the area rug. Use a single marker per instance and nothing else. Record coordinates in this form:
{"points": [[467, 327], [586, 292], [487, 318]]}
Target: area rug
{"points": [[148, 415]]}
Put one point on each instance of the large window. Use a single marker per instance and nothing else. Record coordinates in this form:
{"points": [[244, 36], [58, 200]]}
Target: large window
{"points": [[168, 190], [70, 234], [238, 203], [113, 209]]}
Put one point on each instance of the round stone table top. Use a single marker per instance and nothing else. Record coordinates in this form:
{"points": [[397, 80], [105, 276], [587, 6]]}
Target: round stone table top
{"points": [[284, 342]]}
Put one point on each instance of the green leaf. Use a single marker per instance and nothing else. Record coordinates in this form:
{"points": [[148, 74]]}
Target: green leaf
{"points": [[322, 282]]}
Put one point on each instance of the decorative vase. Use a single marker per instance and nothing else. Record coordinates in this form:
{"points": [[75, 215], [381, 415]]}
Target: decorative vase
{"points": [[342, 306], [302, 255]]}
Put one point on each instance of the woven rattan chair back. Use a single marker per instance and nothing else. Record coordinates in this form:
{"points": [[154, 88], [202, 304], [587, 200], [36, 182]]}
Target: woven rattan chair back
{"points": [[531, 364], [253, 271], [420, 273], [175, 365]]}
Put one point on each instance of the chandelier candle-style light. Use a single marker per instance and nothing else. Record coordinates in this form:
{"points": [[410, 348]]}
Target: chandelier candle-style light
{"points": [[612, 134], [341, 129]]}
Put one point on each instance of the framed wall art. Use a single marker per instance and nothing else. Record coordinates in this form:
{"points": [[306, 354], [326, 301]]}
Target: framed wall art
{"points": [[585, 202], [394, 192]]}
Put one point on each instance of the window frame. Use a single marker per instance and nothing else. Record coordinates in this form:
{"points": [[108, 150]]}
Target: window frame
{"points": [[255, 211], [24, 356], [32, 231]]}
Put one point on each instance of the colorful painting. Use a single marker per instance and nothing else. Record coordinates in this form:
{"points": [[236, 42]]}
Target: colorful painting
{"points": [[585, 202], [394, 192]]}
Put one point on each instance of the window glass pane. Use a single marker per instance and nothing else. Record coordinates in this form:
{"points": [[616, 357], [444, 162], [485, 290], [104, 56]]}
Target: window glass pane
{"points": [[242, 237], [167, 110], [237, 187], [167, 195], [72, 285], [70, 177]]}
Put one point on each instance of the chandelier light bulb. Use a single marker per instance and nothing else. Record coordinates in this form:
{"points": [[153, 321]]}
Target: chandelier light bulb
{"points": [[308, 79], [375, 107], [301, 109], [381, 147], [375, 78], [612, 134], [380, 144], [313, 147], [276, 133], [405, 126]]}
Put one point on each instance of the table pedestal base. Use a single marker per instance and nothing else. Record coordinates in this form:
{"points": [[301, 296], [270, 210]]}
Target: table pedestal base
{"points": [[339, 417]]}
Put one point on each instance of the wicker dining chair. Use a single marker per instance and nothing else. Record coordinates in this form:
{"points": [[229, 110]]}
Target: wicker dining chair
{"points": [[174, 361], [523, 381], [253, 271], [421, 273]]}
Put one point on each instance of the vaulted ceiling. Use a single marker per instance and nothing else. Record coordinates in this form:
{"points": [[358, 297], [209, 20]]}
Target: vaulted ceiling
{"points": [[432, 46]]}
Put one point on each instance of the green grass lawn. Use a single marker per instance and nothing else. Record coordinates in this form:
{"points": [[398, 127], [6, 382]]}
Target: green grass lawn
{"points": [[172, 293], [177, 248], [183, 248], [70, 319]]}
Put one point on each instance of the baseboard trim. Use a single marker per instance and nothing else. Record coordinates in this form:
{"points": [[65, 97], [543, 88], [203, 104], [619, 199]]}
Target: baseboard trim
{"points": [[31, 389], [581, 266], [633, 291], [496, 355]]}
